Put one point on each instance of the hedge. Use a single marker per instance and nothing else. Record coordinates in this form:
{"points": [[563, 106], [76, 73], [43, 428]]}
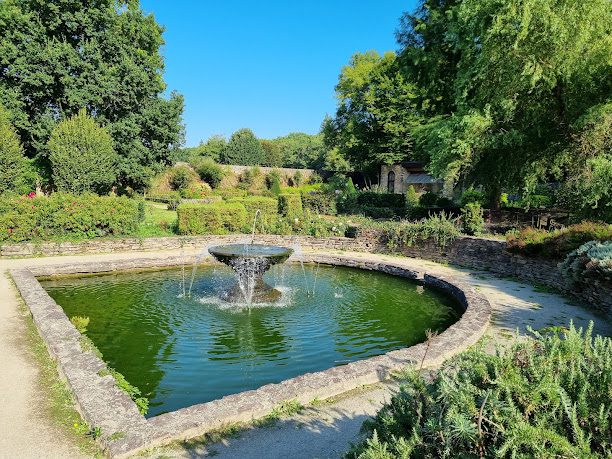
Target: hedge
{"points": [[215, 218], [371, 199], [267, 206], [85, 216], [320, 203], [290, 206]]}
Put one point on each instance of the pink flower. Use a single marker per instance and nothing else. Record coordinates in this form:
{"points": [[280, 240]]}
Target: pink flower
{"points": [[31, 194]]}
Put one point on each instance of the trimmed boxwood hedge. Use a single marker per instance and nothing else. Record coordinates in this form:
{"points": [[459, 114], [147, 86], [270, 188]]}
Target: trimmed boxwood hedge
{"points": [[371, 199], [319, 203], [290, 206], [267, 206], [24, 218], [215, 218]]}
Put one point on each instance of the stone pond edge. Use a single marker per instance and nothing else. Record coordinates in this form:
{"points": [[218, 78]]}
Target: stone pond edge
{"points": [[125, 431]]}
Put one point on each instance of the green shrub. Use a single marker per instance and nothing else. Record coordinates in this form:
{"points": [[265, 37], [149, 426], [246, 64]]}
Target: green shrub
{"points": [[297, 179], [557, 244], [82, 156], [471, 195], [543, 397], [441, 228], [273, 181], [181, 177], [268, 207], [319, 203], [412, 198], [210, 172], [472, 220], [290, 206], [66, 216], [371, 199], [428, 199], [381, 212], [444, 202], [228, 193], [215, 218], [590, 260], [13, 163]]}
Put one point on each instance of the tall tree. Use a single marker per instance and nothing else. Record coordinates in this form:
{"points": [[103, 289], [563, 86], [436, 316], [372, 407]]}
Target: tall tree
{"points": [[243, 149], [519, 76], [59, 56], [376, 112]]}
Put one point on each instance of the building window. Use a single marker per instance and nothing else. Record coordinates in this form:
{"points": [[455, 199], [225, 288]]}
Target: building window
{"points": [[391, 182]]}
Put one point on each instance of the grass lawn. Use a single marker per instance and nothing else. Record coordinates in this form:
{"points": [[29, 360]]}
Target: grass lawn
{"points": [[159, 221]]}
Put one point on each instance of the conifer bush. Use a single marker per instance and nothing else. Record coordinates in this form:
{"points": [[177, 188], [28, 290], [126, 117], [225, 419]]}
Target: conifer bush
{"points": [[543, 397], [82, 156], [290, 206]]}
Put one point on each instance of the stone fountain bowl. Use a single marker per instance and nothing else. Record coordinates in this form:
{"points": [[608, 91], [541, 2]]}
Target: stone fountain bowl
{"points": [[272, 253]]}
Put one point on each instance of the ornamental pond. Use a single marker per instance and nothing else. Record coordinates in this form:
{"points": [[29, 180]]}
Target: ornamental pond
{"points": [[181, 349]]}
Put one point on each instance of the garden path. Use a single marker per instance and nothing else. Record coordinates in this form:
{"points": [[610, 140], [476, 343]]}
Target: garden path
{"points": [[28, 431]]}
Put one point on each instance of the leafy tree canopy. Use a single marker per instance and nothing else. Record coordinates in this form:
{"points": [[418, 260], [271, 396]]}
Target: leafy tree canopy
{"points": [[376, 112], [243, 149], [82, 156], [515, 91], [59, 56]]}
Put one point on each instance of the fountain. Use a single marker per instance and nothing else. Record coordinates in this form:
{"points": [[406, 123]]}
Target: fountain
{"points": [[250, 262]]}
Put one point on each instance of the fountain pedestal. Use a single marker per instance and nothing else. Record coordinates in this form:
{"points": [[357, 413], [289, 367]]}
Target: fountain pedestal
{"points": [[250, 262]]}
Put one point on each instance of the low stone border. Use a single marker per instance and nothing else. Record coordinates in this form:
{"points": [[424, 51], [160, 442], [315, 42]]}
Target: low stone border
{"points": [[125, 431]]}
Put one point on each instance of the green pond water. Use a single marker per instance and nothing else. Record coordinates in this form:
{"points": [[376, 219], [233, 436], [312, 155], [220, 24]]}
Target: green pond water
{"points": [[181, 351]]}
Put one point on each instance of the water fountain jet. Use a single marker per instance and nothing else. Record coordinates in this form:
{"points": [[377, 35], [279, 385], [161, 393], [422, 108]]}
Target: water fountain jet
{"points": [[250, 262]]}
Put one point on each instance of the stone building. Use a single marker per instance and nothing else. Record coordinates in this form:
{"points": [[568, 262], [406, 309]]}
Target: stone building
{"points": [[396, 178]]}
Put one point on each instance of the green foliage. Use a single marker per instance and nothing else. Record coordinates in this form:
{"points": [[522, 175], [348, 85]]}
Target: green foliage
{"points": [[513, 92], [557, 244], [13, 163], [273, 182], [212, 149], [297, 179], [375, 113], [243, 149], [543, 397], [82, 156], [368, 198], [590, 260], [319, 203], [301, 150], [214, 218], [440, 228], [290, 206], [428, 199], [66, 216], [472, 220], [209, 171], [267, 206], [471, 195], [273, 154], [58, 57], [134, 393], [181, 177], [412, 198], [80, 323]]}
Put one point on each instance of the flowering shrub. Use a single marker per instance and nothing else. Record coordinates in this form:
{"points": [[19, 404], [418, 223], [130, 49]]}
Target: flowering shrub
{"points": [[27, 218]]}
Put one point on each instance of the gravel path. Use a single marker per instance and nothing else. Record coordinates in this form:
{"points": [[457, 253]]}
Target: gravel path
{"points": [[322, 432]]}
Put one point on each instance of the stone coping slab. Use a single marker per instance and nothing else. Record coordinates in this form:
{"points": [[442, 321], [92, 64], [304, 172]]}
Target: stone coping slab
{"points": [[125, 431]]}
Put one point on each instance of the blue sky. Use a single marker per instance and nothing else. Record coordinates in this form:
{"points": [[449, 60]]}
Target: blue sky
{"points": [[267, 65]]}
